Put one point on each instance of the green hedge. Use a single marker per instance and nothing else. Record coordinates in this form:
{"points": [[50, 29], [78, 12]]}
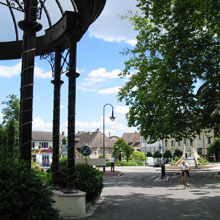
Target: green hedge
{"points": [[129, 163], [23, 194]]}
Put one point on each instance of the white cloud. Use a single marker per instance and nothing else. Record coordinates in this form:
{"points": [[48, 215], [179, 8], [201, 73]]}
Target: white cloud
{"points": [[113, 90], [121, 109], [101, 75], [10, 71], [111, 127], [62, 106], [38, 72], [110, 27], [40, 125], [88, 126], [86, 89]]}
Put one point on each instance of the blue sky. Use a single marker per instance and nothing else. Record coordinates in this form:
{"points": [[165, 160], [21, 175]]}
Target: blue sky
{"points": [[98, 61]]}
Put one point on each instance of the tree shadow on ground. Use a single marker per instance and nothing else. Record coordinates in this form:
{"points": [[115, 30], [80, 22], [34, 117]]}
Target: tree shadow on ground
{"points": [[137, 197]]}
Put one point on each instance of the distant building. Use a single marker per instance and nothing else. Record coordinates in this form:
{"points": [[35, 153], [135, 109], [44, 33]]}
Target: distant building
{"points": [[133, 139], [199, 144], [152, 148], [95, 141], [42, 147], [114, 138]]}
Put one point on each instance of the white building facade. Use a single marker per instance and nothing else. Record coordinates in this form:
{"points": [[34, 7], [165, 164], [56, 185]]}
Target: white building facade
{"points": [[152, 148]]}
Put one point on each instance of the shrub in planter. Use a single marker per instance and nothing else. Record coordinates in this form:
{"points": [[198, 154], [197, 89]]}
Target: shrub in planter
{"points": [[22, 193], [87, 179]]}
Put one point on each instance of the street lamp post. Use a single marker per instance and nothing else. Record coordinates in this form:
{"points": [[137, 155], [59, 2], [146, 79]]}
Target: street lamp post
{"points": [[112, 118]]}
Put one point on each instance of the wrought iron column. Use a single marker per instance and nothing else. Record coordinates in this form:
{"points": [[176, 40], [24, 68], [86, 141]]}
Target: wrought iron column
{"points": [[57, 82], [29, 27], [72, 75]]}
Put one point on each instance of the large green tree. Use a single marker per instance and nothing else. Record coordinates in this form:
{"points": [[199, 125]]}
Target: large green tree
{"points": [[11, 109], [174, 83], [121, 148], [9, 130]]}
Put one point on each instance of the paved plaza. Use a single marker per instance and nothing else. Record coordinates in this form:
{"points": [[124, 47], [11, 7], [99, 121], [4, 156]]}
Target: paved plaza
{"points": [[136, 195]]}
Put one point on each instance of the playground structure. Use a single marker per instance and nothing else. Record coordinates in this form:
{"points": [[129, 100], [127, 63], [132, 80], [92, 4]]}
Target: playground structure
{"points": [[191, 157]]}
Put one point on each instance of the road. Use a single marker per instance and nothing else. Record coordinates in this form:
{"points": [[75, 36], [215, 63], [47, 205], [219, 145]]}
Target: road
{"points": [[136, 196]]}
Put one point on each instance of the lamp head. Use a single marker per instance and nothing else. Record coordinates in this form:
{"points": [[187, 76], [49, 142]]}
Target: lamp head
{"points": [[112, 118]]}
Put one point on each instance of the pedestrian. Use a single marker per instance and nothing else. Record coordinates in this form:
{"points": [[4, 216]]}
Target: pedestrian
{"points": [[112, 163], [185, 173]]}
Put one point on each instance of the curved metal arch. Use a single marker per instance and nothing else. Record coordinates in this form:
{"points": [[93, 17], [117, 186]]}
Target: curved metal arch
{"points": [[60, 7], [14, 21], [47, 15], [74, 5]]}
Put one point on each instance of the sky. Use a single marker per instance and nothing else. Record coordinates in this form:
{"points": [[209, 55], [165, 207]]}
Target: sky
{"points": [[99, 61]]}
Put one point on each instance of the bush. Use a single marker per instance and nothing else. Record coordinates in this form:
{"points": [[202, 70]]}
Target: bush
{"points": [[87, 179], [157, 154], [177, 153], [22, 193], [129, 163], [138, 157], [203, 161], [175, 159]]}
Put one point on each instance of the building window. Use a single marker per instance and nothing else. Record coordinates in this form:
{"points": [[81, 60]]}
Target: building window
{"points": [[199, 150], [33, 144], [191, 142], [209, 140], [45, 161], [179, 144], [45, 157], [165, 143], [172, 143], [44, 144]]}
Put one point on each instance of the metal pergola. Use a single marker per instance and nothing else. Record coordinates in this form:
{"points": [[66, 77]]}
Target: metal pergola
{"points": [[59, 39]]}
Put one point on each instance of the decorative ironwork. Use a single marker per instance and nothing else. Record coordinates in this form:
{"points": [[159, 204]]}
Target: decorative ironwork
{"points": [[39, 8], [19, 6], [65, 62], [15, 4], [50, 57]]}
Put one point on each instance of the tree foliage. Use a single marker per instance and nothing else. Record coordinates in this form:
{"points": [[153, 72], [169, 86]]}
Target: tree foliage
{"points": [[9, 130], [177, 153], [167, 154], [121, 148], [12, 109], [138, 156], [23, 195], [157, 154], [149, 154], [177, 51]]}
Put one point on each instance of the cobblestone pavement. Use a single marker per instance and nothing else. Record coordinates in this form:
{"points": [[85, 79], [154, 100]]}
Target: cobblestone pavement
{"points": [[136, 195]]}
